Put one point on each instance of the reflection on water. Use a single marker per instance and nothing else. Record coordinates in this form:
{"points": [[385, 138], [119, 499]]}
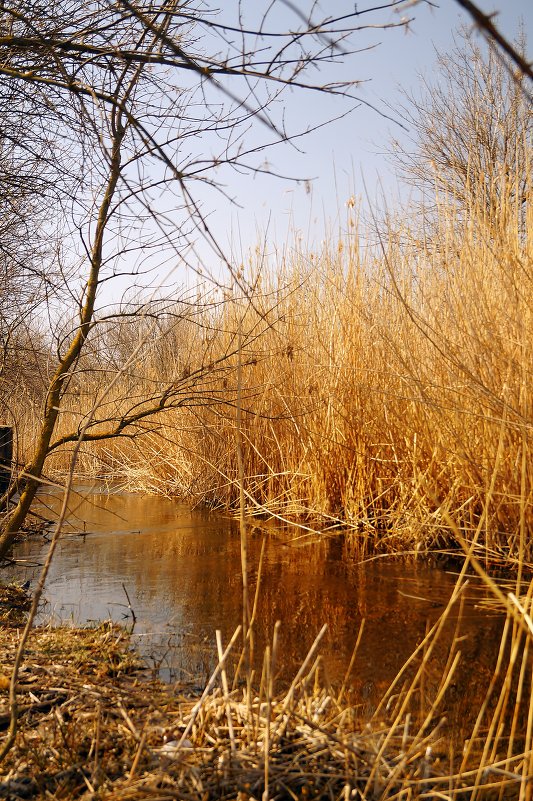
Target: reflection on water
{"points": [[180, 568]]}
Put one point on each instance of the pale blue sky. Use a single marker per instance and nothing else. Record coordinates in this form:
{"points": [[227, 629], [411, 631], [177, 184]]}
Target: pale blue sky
{"points": [[343, 159], [336, 157]]}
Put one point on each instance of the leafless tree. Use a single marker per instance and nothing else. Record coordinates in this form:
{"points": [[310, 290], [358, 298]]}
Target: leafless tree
{"points": [[516, 57], [127, 108], [471, 132]]}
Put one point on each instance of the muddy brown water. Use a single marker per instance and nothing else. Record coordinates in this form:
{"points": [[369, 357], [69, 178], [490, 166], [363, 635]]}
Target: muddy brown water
{"points": [[180, 570]]}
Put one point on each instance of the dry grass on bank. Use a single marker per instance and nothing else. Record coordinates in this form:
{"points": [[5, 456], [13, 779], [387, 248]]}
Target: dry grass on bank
{"points": [[93, 725]]}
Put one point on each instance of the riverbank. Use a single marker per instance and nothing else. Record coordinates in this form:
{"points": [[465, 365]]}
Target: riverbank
{"points": [[94, 724]]}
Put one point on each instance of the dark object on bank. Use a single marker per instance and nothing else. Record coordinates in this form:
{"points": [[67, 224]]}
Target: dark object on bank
{"points": [[6, 458]]}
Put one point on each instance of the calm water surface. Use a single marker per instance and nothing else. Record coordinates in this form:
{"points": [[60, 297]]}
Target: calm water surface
{"points": [[180, 569]]}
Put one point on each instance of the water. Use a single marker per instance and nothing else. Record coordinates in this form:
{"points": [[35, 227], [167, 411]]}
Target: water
{"points": [[180, 570]]}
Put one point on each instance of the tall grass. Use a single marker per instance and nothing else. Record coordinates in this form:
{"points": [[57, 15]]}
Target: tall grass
{"points": [[385, 386]]}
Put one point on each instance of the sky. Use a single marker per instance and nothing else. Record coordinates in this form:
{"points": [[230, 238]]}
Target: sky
{"points": [[343, 160], [348, 157]]}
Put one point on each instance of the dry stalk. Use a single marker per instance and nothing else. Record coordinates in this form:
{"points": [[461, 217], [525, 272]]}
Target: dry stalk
{"points": [[225, 687]]}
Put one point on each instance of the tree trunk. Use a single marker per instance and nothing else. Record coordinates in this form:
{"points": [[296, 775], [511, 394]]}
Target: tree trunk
{"points": [[31, 473]]}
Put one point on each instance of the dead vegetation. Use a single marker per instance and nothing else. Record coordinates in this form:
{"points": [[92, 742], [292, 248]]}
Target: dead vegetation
{"points": [[94, 724], [14, 603], [385, 373]]}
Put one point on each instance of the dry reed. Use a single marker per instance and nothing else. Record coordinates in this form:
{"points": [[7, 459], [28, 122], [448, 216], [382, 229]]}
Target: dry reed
{"points": [[383, 387], [381, 390]]}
